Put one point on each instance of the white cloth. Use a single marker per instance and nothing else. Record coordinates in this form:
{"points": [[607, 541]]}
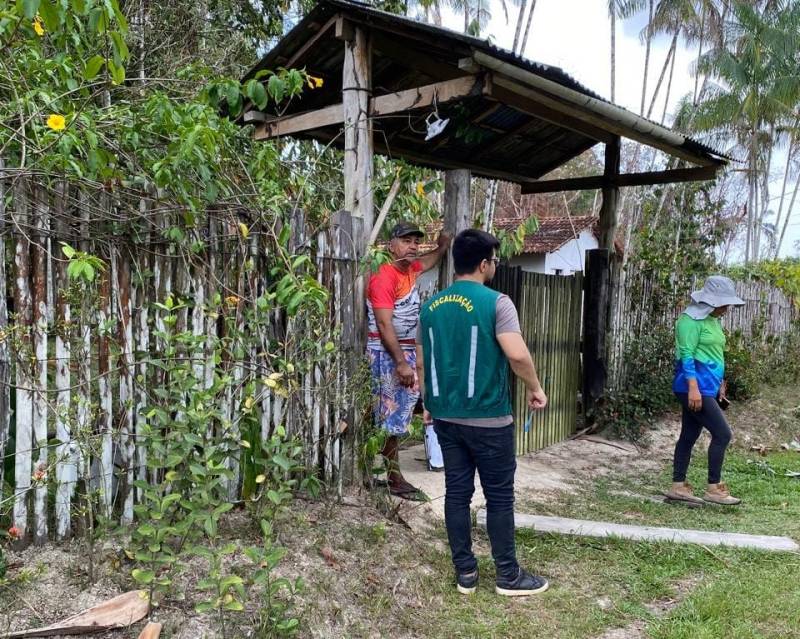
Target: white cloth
{"points": [[699, 310], [432, 449]]}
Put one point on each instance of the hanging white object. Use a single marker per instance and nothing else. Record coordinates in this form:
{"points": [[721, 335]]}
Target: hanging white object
{"points": [[436, 126]]}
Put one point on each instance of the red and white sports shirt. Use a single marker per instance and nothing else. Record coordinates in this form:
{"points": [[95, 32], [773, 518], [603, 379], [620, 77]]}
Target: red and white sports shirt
{"points": [[393, 288]]}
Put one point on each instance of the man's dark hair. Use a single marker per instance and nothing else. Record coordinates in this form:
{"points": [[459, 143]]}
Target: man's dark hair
{"points": [[470, 248]]}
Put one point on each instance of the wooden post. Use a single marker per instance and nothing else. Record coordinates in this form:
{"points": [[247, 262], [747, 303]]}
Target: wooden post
{"points": [[457, 216], [608, 211], [595, 315], [358, 147]]}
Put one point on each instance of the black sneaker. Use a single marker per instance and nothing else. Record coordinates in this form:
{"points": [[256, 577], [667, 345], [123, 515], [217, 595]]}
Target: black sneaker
{"points": [[524, 584], [467, 583]]}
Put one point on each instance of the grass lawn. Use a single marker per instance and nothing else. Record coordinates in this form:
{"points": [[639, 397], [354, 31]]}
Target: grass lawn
{"points": [[662, 590]]}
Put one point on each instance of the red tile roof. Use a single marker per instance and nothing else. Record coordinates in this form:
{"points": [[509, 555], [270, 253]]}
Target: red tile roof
{"points": [[553, 232]]}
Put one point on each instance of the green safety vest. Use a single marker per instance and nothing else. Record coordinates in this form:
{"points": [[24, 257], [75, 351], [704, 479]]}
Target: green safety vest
{"points": [[466, 371]]}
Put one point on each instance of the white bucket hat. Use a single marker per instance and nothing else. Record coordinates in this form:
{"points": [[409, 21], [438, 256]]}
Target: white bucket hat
{"points": [[717, 291]]}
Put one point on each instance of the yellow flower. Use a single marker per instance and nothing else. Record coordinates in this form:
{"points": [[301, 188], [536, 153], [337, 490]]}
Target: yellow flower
{"points": [[56, 122], [314, 82], [232, 300], [37, 26], [420, 189]]}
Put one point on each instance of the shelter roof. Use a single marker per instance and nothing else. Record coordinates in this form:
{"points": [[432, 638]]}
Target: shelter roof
{"points": [[553, 232], [509, 118]]}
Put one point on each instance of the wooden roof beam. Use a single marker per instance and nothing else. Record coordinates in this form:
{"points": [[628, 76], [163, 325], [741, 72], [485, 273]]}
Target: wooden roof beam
{"points": [[648, 178], [388, 104]]}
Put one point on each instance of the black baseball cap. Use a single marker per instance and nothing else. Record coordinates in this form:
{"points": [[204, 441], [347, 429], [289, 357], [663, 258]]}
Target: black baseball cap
{"points": [[403, 229]]}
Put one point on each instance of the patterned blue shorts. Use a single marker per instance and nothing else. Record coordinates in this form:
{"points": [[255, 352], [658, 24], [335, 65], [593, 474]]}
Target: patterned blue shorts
{"points": [[393, 403]]}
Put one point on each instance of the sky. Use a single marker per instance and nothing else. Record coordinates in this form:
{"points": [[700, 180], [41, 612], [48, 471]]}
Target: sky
{"points": [[575, 35]]}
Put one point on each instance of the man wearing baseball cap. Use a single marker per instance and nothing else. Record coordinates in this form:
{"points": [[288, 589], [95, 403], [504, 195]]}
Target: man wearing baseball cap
{"points": [[393, 312]]}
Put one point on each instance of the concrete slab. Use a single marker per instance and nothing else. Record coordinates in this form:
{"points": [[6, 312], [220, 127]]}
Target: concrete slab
{"points": [[585, 528]]}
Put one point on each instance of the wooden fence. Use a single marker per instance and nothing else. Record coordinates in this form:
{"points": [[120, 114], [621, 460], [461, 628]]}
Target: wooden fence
{"points": [[78, 374], [644, 305], [550, 317]]}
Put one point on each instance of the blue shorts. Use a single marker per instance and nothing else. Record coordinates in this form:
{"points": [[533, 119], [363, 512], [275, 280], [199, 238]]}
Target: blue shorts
{"points": [[393, 403]]}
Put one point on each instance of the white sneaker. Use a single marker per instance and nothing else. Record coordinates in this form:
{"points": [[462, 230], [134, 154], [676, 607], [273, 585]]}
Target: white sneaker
{"points": [[433, 451]]}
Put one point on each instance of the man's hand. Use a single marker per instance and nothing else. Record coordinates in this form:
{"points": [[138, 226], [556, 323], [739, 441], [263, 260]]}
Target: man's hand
{"points": [[406, 374], [427, 418], [537, 400], [723, 389], [444, 240], [695, 399]]}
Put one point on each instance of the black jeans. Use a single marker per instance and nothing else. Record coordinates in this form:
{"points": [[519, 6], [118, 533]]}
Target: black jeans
{"points": [[692, 423], [491, 452]]}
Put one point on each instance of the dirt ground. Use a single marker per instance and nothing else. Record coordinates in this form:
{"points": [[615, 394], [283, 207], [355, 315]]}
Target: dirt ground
{"points": [[360, 558]]}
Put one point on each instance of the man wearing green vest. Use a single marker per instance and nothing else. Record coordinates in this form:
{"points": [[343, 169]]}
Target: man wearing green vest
{"points": [[467, 337]]}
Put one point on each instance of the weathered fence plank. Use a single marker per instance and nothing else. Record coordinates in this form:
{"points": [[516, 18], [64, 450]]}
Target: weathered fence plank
{"points": [[23, 306]]}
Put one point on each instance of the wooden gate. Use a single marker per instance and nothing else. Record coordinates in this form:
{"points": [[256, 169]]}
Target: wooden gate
{"points": [[550, 317]]}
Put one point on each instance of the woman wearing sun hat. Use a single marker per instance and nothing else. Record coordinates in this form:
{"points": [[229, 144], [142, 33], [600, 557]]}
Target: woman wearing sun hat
{"points": [[699, 385]]}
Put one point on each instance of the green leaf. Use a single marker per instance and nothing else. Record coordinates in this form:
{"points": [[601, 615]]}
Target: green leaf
{"points": [[204, 606], [282, 461], [120, 48], [49, 15], [93, 66], [276, 88], [117, 72], [31, 8], [257, 93], [234, 605], [97, 20], [67, 250], [274, 497], [143, 576], [79, 6]]}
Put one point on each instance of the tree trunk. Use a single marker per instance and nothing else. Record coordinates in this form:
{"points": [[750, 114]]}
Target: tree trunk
{"points": [[527, 28], [669, 88], [670, 58], [789, 154], [518, 30], [699, 53], [613, 51], [788, 215], [648, 42]]}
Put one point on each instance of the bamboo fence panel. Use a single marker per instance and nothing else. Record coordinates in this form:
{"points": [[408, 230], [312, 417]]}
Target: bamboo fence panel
{"points": [[549, 308], [81, 371], [641, 306]]}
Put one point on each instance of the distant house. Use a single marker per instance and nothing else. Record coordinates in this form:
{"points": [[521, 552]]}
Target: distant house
{"points": [[559, 245]]}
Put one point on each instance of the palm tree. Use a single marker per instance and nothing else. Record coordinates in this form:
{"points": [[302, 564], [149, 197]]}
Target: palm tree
{"points": [[755, 89]]}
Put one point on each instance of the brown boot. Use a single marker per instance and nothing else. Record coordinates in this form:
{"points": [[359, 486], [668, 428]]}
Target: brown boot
{"points": [[682, 491], [719, 494]]}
